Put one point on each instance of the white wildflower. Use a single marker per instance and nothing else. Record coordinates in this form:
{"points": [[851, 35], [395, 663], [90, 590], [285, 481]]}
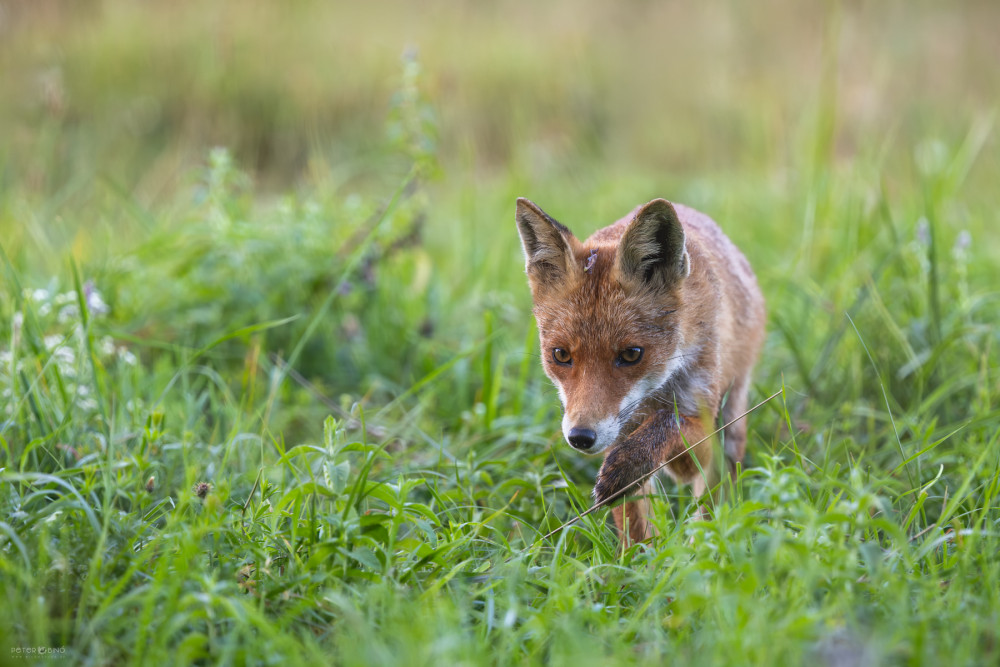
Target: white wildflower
{"points": [[106, 346], [96, 305], [52, 341], [95, 302], [126, 357], [68, 313], [64, 356], [64, 298], [40, 295]]}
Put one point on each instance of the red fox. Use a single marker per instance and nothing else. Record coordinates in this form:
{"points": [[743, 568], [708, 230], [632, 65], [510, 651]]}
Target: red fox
{"points": [[648, 329]]}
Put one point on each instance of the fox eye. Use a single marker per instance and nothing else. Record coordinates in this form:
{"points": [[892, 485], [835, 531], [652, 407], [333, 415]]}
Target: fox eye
{"points": [[629, 356], [561, 356]]}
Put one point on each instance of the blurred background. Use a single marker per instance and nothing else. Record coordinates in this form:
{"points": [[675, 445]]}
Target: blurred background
{"points": [[217, 164], [133, 92]]}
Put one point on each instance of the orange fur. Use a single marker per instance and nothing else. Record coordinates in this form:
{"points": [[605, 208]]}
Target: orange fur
{"points": [[664, 280]]}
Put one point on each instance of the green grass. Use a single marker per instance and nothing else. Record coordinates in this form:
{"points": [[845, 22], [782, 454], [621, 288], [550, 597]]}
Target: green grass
{"points": [[280, 402]]}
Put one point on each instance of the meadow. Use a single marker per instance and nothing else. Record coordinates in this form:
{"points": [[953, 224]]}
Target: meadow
{"points": [[270, 389]]}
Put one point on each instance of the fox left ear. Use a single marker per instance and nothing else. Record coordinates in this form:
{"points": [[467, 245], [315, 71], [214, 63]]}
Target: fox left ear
{"points": [[653, 249], [548, 246]]}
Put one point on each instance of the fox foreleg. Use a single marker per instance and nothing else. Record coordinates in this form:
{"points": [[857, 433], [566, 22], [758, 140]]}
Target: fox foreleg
{"points": [[661, 437]]}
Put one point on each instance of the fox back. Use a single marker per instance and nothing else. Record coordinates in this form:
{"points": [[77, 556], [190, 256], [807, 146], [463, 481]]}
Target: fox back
{"points": [[656, 317]]}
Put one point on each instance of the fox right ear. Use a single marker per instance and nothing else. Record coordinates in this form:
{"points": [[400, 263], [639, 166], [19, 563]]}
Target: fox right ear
{"points": [[653, 249], [547, 244]]}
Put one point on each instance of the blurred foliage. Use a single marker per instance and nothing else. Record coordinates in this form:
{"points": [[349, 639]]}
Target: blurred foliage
{"points": [[723, 86]]}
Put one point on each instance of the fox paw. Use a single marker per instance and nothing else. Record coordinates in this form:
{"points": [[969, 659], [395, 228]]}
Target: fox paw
{"points": [[615, 475], [602, 490]]}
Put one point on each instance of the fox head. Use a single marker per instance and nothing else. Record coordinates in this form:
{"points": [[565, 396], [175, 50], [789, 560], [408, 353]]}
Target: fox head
{"points": [[607, 313]]}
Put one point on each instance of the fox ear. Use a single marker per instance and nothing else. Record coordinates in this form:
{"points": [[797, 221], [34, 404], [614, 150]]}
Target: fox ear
{"points": [[547, 244], [653, 249]]}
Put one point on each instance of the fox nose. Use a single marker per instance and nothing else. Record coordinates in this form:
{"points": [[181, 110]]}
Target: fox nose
{"points": [[582, 438]]}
